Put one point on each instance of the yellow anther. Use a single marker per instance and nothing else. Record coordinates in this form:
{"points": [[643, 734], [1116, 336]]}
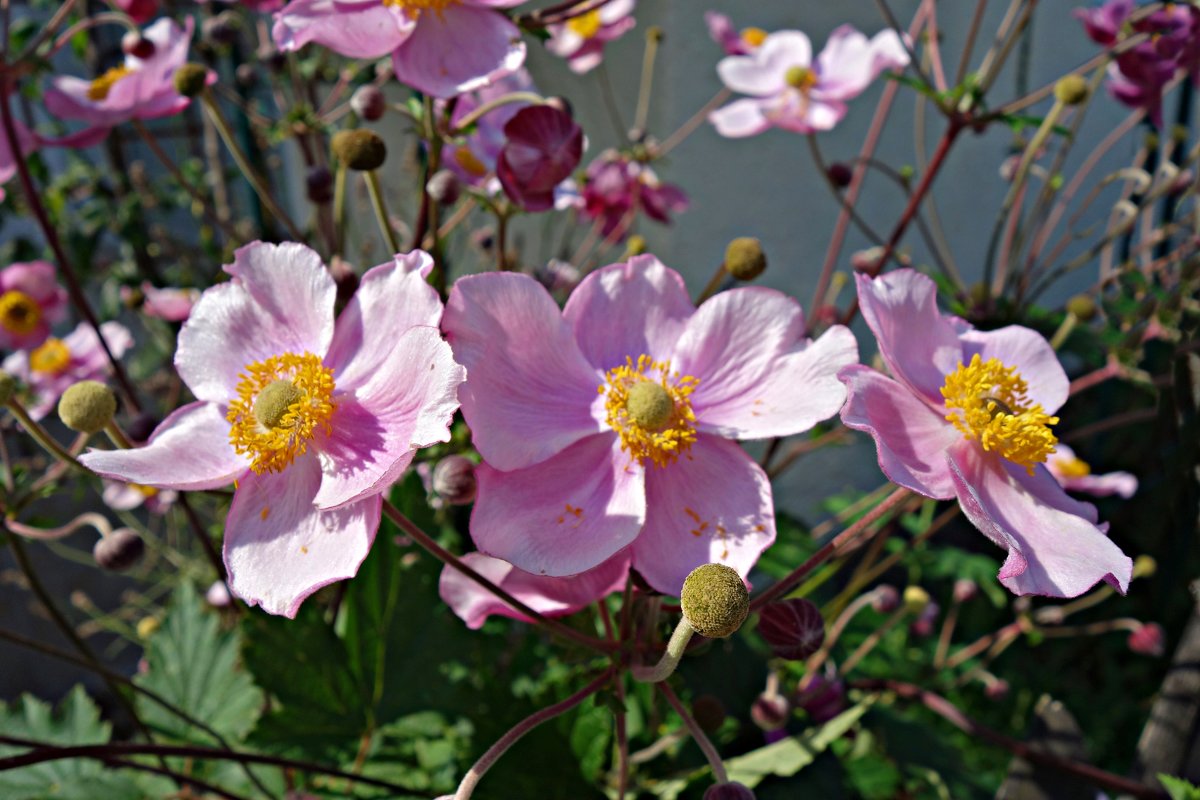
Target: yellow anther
{"points": [[416, 7], [754, 37], [648, 407], [101, 86], [1072, 467], [586, 25], [50, 357]]}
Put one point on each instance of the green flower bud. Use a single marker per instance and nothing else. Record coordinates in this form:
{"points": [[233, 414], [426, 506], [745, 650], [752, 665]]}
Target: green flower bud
{"points": [[635, 245], [1082, 307], [360, 149], [1071, 90], [715, 601], [1144, 566], [87, 407], [915, 600], [190, 79], [744, 258]]}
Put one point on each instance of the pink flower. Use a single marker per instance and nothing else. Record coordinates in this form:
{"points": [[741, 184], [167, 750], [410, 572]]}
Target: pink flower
{"points": [[54, 365], [608, 425], [312, 420], [552, 597], [127, 496], [474, 160], [580, 40], [967, 415], [173, 305], [138, 89], [617, 188], [31, 300], [140, 11], [733, 42], [542, 147], [1074, 474], [787, 90], [441, 47]]}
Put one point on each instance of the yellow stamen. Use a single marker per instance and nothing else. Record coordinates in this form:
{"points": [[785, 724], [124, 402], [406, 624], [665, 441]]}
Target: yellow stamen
{"points": [[145, 491], [585, 26], [282, 402], [988, 401], [754, 37], [50, 357], [103, 85], [416, 7], [470, 162], [1072, 467], [19, 313], [650, 412]]}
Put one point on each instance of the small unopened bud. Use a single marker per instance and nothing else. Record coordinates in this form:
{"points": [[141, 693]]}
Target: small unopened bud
{"points": [[8, 387], [840, 175], [190, 79], [866, 260], [916, 600], [147, 627], [923, 624], [1144, 566], [274, 59], [635, 245], [87, 406], [996, 689], [793, 628], [823, 698], [562, 104], [344, 277], [965, 590], [714, 600], [770, 711], [444, 187], [136, 45], [454, 480], [368, 102], [246, 75], [654, 33], [744, 258], [219, 30], [119, 550], [218, 595], [709, 712], [885, 599], [319, 184], [1071, 90], [1148, 640], [728, 791], [1082, 307], [141, 426], [359, 149]]}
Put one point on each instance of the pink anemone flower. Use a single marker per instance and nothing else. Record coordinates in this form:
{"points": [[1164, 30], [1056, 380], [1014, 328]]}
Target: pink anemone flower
{"points": [[967, 415], [311, 419], [617, 188], [171, 304], [788, 90], [441, 47], [581, 40], [610, 424], [473, 159], [31, 300], [53, 366], [733, 41], [1074, 474], [137, 89], [551, 597]]}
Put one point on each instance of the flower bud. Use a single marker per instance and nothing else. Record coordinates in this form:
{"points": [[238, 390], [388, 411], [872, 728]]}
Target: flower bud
{"points": [[147, 627], [965, 590], [246, 75], [634, 246], [444, 187], [840, 175], [119, 550], [866, 260], [793, 628], [823, 698], [319, 184], [136, 45], [344, 277], [744, 258], [1082, 307], [770, 711], [218, 595], [454, 481], [1144, 566], [360, 149], [728, 791], [715, 600], [141, 426], [709, 712], [996, 689], [923, 624], [87, 406], [190, 79], [1071, 90], [219, 30], [916, 600], [886, 599], [368, 102], [562, 104], [8, 387], [1148, 640]]}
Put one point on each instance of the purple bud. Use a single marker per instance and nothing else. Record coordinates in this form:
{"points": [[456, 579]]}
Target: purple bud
{"points": [[770, 711], [454, 480], [136, 45], [886, 599], [119, 551], [823, 698], [221, 29], [965, 590], [319, 183], [996, 689], [708, 711], [793, 628], [368, 102], [840, 175], [444, 187], [728, 791], [924, 624], [1148, 640]]}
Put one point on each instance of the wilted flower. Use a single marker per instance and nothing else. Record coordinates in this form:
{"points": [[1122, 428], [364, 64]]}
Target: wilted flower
{"points": [[617, 187], [788, 90], [1075, 474], [967, 415], [57, 364], [31, 300], [581, 39], [474, 159], [312, 420], [608, 424], [542, 147]]}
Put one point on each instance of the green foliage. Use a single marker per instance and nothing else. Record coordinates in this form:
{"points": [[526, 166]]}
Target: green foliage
{"points": [[1178, 788]]}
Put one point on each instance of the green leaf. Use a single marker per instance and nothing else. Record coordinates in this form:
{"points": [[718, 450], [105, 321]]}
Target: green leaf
{"points": [[1178, 788], [195, 666], [589, 739], [788, 756], [422, 752]]}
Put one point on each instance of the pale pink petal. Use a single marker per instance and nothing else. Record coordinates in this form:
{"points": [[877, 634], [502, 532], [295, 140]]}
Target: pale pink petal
{"points": [[740, 118], [565, 515], [407, 403], [849, 61], [799, 389], [459, 49], [121, 496], [552, 597], [369, 30], [1052, 550], [912, 438], [793, 111], [712, 506], [764, 71], [1030, 353], [188, 450], [917, 343], [279, 548], [626, 310], [291, 283], [390, 299], [173, 305], [529, 390], [1123, 484]]}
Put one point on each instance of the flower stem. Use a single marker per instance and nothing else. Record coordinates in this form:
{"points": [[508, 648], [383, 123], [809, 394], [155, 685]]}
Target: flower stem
{"points": [[705, 744], [381, 214], [666, 665], [473, 116], [40, 435]]}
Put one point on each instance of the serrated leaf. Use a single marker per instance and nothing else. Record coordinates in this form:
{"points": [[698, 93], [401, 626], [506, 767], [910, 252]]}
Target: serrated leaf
{"points": [[1178, 788], [589, 739], [788, 756]]}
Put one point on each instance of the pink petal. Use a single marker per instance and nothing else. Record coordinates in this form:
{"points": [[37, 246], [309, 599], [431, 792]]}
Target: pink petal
{"points": [[459, 49], [1123, 484], [564, 515], [390, 299], [370, 30], [1030, 353], [1054, 546], [917, 343], [173, 305], [291, 283], [553, 597], [625, 310], [764, 71], [740, 118], [849, 61], [529, 390], [714, 506], [912, 439], [408, 403], [188, 450], [793, 111], [279, 548]]}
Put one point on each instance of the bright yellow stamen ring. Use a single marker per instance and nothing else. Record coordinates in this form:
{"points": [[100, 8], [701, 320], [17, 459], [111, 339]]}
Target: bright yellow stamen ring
{"points": [[415, 7], [988, 401], [648, 407], [103, 85], [281, 403], [1072, 467], [50, 357], [19, 313], [754, 37], [585, 26]]}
